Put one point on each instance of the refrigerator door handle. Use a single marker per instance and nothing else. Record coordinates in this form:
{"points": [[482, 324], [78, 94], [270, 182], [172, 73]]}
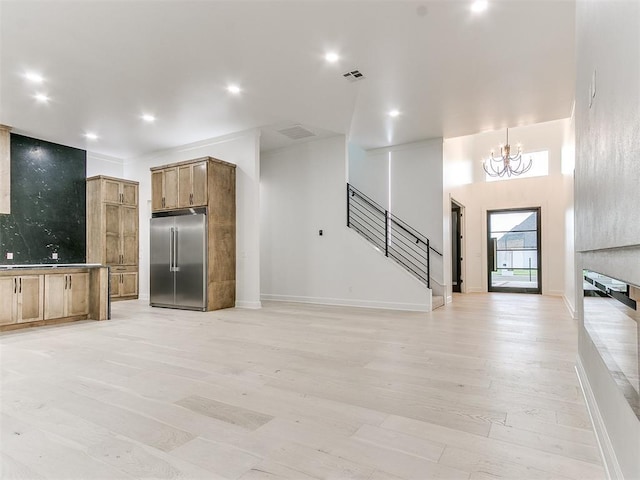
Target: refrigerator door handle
{"points": [[171, 240], [176, 268]]}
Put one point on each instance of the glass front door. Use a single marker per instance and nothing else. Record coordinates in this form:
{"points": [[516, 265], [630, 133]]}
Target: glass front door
{"points": [[513, 248]]}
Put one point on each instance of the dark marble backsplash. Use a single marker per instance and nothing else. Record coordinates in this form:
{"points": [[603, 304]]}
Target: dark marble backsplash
{"points": [[48, 204]]}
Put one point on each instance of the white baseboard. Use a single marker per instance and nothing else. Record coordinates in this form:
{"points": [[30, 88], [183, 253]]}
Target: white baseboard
{"points": [[449, 298], [475, 290], [413, 307], [251, 305], [611, 465], [144, 297], [572, 311]]}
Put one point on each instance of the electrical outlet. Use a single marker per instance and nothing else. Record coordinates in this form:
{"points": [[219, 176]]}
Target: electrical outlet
{"points": [[54, 256], [9, 256]]}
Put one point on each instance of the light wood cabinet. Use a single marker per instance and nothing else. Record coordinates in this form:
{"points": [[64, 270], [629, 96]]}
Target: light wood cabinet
{"points": [[5, 169], [45, 295], [210, 183], [164, 188], [67, 295], [21, 299], [112, 228], [181, 185], [124, 282]]}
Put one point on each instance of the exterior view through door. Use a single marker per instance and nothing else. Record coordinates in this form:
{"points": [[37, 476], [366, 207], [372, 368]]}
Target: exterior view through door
{"points": [[513, 250]]}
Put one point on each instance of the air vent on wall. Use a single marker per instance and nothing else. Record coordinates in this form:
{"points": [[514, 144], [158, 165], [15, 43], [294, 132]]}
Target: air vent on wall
{"points": [[353, 75], [296, 132]]}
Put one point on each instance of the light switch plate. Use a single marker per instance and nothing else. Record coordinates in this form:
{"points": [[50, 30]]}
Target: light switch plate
{"points": [[9, 256]]}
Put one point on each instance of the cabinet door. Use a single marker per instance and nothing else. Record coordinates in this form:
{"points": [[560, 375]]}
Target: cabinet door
{"points": [[30, 298], [54, 299], [111, 191], [77, 294], [129, 235], [129, 194], [184, 186], [157, 190], [170, 189], [129, 284], [199, 184], [113, 234], [114, 285], [7, 299]]}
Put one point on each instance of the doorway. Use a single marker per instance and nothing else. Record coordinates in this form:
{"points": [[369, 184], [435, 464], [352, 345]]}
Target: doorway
{"points": [[513, 250], [456, 246]]}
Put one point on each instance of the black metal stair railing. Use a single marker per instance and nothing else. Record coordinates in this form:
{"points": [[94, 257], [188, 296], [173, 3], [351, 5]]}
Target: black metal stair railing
{"points": [[391, 235]]}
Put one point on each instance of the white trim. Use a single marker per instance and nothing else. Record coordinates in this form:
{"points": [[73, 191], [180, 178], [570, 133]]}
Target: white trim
{"points": [[250, 305], [608, 454], [143, 296], [554, 293], [105, 158], [413, 307], [475, 290], [449, 298], [572, 310], [406, 146]]}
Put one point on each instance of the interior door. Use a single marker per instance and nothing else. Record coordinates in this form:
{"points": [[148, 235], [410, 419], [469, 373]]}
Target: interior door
{"points": [[513, 250]]}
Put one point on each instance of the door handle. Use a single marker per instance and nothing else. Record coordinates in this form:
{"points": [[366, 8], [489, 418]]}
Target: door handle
{"points": [[171, 240], [494, 254], [175, 250]]}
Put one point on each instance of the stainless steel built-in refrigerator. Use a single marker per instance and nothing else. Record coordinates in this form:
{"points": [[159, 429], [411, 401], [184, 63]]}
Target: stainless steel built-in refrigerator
{"points": [[179, 259]]}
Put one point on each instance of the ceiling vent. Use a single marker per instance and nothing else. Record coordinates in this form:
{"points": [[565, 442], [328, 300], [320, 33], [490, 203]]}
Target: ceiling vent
{"points": [[296, 132], [353, 75]]}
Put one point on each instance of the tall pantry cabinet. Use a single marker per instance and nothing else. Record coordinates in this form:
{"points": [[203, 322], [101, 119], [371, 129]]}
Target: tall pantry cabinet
{"points": [[211, 183], [112, 232]]}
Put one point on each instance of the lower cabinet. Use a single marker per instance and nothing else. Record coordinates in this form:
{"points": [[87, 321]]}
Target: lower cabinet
{"points": [[21, 299], [67, 295], [124, 283]]}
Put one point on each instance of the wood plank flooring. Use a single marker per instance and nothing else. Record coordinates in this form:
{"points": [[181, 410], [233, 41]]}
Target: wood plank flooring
{"points": [[484, 388]]}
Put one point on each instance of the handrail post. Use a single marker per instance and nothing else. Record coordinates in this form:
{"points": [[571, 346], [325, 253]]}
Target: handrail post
{"points": [[348, 207], [386, 233], [428, 265]]}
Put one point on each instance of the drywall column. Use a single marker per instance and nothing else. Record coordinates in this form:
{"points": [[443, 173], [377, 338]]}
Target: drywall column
{"points": [[5, 169], [607, 198]]}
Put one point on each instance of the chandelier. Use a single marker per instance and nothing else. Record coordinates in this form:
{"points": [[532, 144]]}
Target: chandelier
{"points": [[506, 164]]}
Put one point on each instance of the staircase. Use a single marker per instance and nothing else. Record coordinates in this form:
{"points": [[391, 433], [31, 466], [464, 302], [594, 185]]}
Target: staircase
{"points": [[393, 237]]}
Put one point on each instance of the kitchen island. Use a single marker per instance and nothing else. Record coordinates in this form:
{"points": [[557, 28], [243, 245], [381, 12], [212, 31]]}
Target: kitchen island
{"points": [[45, 294]]}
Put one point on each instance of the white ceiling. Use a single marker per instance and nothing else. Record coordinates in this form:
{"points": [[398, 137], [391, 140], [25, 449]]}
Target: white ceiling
{"points": [[448, 71]]}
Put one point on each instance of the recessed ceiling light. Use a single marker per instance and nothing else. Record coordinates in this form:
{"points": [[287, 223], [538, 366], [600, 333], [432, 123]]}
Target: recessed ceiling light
{"points": [[34, 77], [235, 89], [91, 136], [41, 97], [332, 57], [148, 118], [394, 113], [479, 6]]}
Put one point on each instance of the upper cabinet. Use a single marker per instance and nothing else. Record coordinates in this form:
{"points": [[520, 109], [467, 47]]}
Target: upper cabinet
{"points": [[5, 170], [112, 226], [180, 185]]}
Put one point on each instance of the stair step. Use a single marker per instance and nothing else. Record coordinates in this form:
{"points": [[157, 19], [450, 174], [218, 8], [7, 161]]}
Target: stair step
{"points": [[437, 301]]}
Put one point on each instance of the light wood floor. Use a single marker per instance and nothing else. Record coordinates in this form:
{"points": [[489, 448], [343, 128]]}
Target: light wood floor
{"points": [[481, 389]]}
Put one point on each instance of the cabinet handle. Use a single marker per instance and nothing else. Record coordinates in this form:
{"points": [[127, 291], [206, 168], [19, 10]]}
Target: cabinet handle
{"points": [[191, 199], [20, 291], [70, 280], [66, 281], [15, 285]]}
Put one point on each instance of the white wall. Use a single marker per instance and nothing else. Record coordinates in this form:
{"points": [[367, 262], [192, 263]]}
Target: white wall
{"points": [[407, 180], [303, 190], [608, 197], [241, 149], [98, 164], [572, 287], [464, 181]]}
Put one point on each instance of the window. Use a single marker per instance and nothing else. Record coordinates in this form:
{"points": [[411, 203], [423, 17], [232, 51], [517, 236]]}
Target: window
{"points": [[539, 167]]}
